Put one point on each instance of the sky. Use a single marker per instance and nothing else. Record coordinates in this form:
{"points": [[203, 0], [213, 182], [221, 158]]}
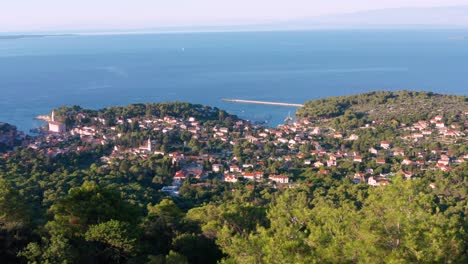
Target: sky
{"points": [[65, 15]]}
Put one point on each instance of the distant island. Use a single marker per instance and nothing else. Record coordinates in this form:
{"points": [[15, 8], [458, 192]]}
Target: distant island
{"points": [[460, 38], [377, 177], [12, 37]]}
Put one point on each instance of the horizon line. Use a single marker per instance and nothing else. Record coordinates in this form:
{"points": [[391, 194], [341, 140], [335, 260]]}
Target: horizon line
{"points": [[223, 29]]}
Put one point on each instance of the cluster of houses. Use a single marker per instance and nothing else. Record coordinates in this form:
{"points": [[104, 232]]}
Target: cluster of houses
{"points": [[235, 173], [435, 127], [287, 139]]}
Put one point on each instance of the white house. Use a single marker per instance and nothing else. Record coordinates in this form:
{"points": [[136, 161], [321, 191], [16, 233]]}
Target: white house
{"points": [[217, 167], [279, 178]]}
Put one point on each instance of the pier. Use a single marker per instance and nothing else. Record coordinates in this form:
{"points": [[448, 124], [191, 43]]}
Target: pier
{"points": [[261, 102]]}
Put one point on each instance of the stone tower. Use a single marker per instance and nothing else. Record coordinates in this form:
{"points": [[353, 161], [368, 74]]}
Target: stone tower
{"points": [[149, 146], [54, 126]]}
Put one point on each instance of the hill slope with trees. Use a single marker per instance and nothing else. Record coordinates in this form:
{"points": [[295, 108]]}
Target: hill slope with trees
{"points": [[406, 106], [96, 195]]}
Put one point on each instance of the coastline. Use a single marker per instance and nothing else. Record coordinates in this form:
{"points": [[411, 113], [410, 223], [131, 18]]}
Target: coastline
{"points": [[44, 118]]}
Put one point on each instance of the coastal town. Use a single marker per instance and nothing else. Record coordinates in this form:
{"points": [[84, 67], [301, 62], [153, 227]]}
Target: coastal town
{"points": [[234, 132], [193, 178], [250, 153]]}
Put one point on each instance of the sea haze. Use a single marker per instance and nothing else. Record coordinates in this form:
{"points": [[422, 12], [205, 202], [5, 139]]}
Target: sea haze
{"points": [[38, 74]]}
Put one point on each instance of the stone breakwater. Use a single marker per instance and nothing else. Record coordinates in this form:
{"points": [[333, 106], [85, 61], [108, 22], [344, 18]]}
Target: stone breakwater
{"points": [[261, 102]]}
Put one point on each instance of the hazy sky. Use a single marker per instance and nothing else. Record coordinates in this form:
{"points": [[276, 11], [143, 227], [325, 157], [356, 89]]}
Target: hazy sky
{"points": [[43, 15]]}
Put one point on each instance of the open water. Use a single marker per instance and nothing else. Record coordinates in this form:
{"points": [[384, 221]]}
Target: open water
{"points": [[38, 74]]}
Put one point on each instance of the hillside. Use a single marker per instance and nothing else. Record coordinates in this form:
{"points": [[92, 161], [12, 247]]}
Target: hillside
{"points": [[405, 106], [160, 183]]}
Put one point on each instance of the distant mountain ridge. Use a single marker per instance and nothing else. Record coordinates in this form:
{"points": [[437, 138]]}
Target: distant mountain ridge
{"points": [[448, 16], [391, 18]]}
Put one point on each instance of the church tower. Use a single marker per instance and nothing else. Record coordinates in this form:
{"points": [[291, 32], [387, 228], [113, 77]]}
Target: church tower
{"points": [[54, 126], [149, 146]]}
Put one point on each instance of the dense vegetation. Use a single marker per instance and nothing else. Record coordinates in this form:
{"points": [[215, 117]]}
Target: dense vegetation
{"points": [[177, 109], [405, 106], [50, 214], [8, 137], [74, 208]]}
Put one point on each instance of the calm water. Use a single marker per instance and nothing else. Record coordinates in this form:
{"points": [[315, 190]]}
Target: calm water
{"points": [[38, 74]]}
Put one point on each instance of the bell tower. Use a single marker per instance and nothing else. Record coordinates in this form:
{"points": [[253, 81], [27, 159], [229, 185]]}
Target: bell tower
{"points": [[149, 145]]}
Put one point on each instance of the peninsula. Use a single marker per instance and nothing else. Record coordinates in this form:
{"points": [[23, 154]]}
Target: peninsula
{"points": [[11, 37]]}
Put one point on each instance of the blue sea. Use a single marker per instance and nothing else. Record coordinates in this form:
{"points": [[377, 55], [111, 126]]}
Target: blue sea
{"points": [[95, 71]]}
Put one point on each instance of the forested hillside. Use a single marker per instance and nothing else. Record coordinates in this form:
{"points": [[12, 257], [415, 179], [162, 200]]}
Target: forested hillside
{"points": [[403, 105], [181, 183]]}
